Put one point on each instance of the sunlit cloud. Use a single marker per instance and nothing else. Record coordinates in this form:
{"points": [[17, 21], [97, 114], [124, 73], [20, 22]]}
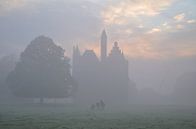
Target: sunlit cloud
{"points": [[154, 30], [165, 24], [186, 52], [191, 21], [140, 26], [147, 18], [146, 48], [141, 49], [179, 17], [119, 12]]}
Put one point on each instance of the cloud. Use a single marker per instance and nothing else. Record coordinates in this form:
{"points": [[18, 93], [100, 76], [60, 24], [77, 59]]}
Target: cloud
{"points": [[179, 17], [161, 44], [154, 30], [191, 21], [121, 12], [150, 28], [143, 28], [179, 26], [9, 5], [188, 52], [141, 48]]}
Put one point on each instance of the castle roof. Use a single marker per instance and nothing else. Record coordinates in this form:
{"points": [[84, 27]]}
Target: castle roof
{"points": [[90, 54]]}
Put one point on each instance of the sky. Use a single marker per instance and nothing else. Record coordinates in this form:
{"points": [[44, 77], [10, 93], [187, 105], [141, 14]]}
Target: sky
{"points": [[150, 32]]}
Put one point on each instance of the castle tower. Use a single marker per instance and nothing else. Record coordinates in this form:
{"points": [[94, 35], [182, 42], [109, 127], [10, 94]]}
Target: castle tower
{"points": [[76, 52], [75, 60], [103, 46]]}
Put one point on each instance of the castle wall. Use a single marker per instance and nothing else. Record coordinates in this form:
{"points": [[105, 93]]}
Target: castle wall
{"points": [[102, 81], [106, 80]]}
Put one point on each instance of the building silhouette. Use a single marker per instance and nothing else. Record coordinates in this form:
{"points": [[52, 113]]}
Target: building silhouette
{"points": [[103, 46], [104, 79]]}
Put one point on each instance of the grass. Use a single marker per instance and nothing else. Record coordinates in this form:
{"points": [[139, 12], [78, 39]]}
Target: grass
{"points": [[70, 117]]}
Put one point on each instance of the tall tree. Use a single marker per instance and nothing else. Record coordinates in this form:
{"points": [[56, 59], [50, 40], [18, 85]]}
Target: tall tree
{"points": [[7, 64], [42, 72]]}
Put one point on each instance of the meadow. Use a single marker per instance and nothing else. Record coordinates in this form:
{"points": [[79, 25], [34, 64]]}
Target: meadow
{"points": [[34, 116]]}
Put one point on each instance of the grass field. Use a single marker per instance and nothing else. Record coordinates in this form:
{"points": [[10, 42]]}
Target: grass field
{"points": [[69, 117]]}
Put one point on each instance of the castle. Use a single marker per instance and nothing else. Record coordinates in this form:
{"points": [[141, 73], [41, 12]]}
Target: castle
{"points": [[104, 79]]}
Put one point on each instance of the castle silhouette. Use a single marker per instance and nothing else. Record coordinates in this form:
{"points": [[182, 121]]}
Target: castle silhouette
{"points": [[104, 79]]}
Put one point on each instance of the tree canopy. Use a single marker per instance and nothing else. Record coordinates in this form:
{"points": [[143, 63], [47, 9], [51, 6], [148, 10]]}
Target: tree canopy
{"points": [[42, 72]]}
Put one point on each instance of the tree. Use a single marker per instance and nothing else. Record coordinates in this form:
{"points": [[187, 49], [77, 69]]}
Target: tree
{"points": [[42, 72], [185, 89], [7, 64]]}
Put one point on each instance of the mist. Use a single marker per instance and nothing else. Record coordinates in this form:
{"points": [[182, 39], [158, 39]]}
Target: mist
{"points": [[98, 61], [145, 81]]}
